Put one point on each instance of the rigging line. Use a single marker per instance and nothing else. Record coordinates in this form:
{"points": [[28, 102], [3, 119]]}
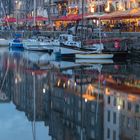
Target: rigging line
{"points": [[5, 75]]}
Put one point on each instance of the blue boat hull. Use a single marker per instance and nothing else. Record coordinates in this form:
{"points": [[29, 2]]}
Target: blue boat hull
{"points": [[16, 46]]}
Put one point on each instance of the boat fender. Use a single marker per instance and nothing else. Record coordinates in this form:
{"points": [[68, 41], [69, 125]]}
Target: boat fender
{"points": [[117, 44]]}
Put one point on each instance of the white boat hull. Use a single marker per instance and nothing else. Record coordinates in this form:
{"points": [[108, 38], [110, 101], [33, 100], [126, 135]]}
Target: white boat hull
{"points": [[94, 61], [82, 53], [38, 48], [64, 50], [93, 56], [4, 42], [75, 50], [64, 64]]}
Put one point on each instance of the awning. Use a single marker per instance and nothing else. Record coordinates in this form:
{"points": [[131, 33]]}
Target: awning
{"points": [[92, 16], [62, 18], [9, 19], [133, 13], [37, 18], [71, 17], [67, 18], [116, 15]]}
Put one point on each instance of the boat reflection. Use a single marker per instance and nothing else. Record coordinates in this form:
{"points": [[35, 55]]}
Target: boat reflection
{"points": [[78, 102]]}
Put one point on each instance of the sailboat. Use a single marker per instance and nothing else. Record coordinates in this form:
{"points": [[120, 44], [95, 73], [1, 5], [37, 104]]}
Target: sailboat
{"points": [[80, 52]]}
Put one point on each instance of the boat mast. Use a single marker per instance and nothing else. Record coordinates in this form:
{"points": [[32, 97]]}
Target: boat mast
{"points": [[82, 24], [34, 23], [100, 35]]}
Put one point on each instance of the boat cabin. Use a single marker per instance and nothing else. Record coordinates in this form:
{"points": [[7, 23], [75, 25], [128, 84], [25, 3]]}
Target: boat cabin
{"points": [[68, 37]]}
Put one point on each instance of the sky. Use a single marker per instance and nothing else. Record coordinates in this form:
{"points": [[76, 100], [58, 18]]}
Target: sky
{"points": [[15, 126]]}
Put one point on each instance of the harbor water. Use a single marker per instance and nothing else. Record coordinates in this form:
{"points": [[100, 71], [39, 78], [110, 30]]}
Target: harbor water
{"points": [[45, 99]]}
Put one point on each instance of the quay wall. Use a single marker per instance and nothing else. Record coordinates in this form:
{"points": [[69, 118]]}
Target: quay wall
{"points": [[123, 34], [27, 34]]}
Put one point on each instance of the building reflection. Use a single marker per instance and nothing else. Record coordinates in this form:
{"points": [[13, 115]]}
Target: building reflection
{"points": [[71, 114], [121, 112], [81, 103]]}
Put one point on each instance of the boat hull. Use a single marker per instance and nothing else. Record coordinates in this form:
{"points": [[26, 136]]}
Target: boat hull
{"points": [[83, 53], [69, 50], [39, 49], [4, 42], [94, 61], [16, 46], [94, 56]]}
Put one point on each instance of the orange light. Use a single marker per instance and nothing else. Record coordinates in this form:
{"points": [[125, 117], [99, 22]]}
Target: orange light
{"points": [[107, 91], [58, 83], [88, 97], [132, 98], [90, 88]]}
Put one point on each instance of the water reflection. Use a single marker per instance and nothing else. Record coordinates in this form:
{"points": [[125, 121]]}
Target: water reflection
{"points": [[67, 100]]}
